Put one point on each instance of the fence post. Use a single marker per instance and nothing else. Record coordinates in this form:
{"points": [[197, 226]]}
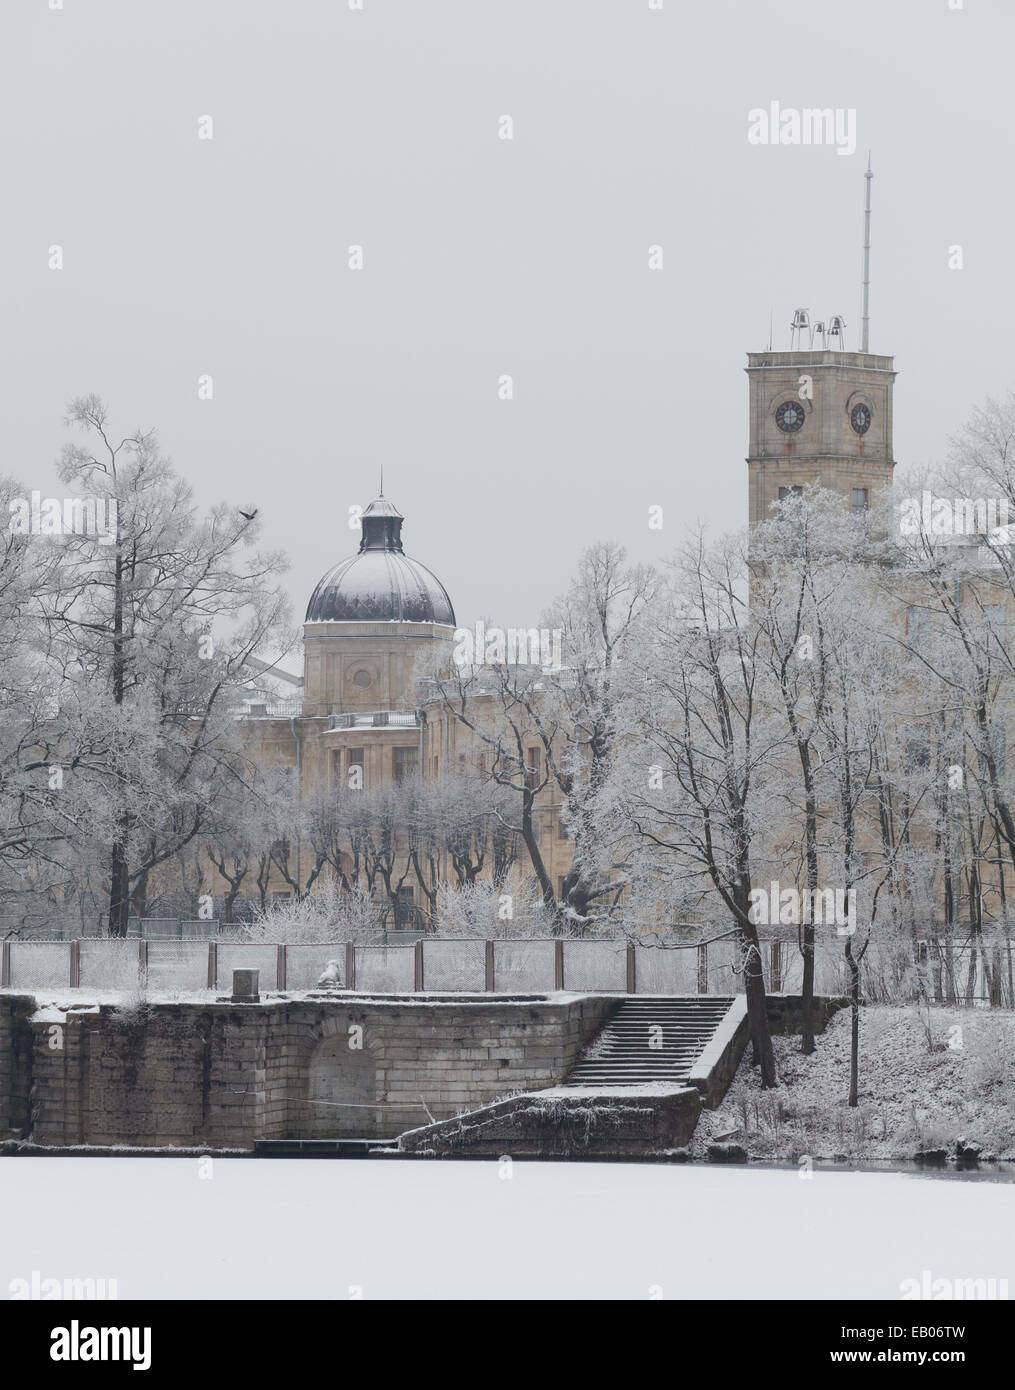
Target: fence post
{"points": [[5, 965], [417, 965], [280, 967], [75, 964], [558, 964], [702, 969], [142, 962], [491, 978], [632, 970], [213, 964], [350, 965], [776, 967]]}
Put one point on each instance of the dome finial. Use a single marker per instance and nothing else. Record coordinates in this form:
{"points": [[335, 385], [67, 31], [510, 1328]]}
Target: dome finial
{"points": [[382, 479]]}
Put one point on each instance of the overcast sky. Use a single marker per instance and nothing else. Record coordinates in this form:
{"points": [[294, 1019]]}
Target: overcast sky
{"points": [[483, 256]]}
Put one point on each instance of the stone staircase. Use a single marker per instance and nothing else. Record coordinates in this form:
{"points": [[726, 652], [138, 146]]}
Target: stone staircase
{"points": [[655, 1039], [636, 1090]]}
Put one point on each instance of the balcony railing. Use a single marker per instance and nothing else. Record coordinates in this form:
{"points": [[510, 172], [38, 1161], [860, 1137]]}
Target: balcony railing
{"points": [[377, 719]]}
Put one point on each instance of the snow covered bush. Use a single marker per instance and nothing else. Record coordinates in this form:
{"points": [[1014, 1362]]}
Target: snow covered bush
{"points": [[331, 913]]}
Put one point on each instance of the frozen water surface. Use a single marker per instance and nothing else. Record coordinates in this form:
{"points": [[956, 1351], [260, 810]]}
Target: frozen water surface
{"points": [[324, 1229]]}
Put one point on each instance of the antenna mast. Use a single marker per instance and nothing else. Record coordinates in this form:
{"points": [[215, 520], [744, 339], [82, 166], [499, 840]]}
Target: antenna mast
{"points": [[865, 337]]}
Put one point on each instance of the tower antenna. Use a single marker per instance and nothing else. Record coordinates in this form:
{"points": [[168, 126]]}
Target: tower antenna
{"points": [[382, 479], [865, 335]]}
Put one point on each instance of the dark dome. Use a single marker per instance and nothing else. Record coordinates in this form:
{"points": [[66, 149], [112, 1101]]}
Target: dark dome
{"points": [[381, 583]]}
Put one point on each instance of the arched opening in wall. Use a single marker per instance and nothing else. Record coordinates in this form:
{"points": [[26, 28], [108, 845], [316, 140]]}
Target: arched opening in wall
{"points": [[341, 1091]]}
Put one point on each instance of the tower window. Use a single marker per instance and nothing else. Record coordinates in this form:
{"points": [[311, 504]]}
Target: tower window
{"points": [[786, 492], [860, 501]]}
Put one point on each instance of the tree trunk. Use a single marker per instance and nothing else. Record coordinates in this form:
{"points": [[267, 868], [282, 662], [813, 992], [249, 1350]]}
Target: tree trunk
{"points": [[119, 890], [854, 1034], [754, 988]]}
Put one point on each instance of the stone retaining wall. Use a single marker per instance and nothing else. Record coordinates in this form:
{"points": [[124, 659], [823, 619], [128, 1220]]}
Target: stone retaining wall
{"points": [[226, 1075], [15, 1064]]}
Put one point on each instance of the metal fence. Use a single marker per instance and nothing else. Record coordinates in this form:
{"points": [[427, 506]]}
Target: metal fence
{"points": [[178, 965]]}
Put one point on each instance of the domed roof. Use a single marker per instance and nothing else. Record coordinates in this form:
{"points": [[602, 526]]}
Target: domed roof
{"points": [[380, 583]]}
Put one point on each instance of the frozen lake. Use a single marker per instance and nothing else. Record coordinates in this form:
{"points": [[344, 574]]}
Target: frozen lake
{"points": [[325, 1229]]}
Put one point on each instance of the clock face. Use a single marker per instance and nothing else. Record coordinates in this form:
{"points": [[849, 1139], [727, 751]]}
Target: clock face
{"points": [[860, 418], [789, 417]]}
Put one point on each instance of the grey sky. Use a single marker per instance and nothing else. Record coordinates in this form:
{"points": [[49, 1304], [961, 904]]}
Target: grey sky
{"points": [[483, 256]]}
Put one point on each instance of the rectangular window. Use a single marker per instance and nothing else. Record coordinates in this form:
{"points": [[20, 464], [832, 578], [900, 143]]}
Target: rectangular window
{"points": [[917, 625], [860, 501], [785, 494], [406, 763], [917, 755], [532, 763], [354, 757], [563, 833], [405, 913]]}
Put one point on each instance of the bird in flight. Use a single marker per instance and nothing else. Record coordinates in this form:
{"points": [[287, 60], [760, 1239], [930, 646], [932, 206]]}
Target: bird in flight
{"points": [[249, 515]]}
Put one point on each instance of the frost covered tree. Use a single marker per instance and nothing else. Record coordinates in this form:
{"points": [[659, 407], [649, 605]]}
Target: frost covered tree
{"points": [[574, 711], [690, 786], [40, 807], [151, 633], [552, 730], [495, 704]]}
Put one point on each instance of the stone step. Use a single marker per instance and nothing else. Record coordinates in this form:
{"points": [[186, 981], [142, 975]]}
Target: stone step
{"points": [[649, 1040]]}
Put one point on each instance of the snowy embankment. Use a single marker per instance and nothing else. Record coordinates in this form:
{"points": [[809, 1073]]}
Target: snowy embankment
{"points": [[917, 1092]]}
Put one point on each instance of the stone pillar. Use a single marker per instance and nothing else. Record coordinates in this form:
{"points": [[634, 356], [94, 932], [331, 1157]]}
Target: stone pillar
{"points": [[245, 987]]}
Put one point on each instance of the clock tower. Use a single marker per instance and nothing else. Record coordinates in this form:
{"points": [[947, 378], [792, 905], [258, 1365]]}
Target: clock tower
{"points": [[818, 414]]}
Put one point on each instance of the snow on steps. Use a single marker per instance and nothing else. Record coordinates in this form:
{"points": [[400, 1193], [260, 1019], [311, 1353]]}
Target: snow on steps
{"points": [[697, 1041]]}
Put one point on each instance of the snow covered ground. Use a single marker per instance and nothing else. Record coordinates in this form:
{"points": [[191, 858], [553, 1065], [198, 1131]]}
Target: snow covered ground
{"points": [[319, 1229], [916, 1092]]}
